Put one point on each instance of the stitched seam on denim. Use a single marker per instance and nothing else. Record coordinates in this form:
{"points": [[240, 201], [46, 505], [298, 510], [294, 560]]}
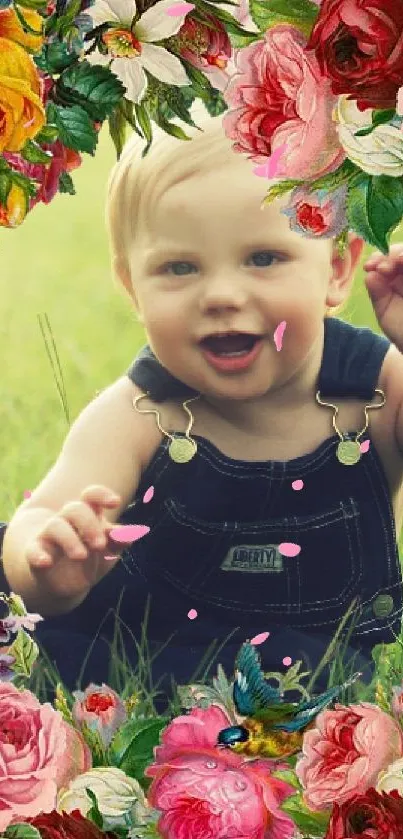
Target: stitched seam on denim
{"points": [[291, 523]]}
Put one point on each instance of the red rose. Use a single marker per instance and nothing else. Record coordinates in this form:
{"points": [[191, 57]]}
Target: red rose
{"points": [[359, 47], [73, 825], [374, 814]]}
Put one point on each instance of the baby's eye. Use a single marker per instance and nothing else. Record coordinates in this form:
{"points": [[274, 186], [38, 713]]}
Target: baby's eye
{"points": [[263, 259], [179, 269]]}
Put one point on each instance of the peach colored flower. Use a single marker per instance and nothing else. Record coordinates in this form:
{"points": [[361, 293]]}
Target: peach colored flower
{"points": [[212, 792], [39, 753], [11, 28], [278, 96], [345, 752]]}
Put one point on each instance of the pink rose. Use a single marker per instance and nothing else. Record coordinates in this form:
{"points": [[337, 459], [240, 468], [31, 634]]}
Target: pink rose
{"points": [[345, 752], [211, 792], [101, 708], [278, 96], [208, 48], [48, 176], [317, 214], [39, 753]]}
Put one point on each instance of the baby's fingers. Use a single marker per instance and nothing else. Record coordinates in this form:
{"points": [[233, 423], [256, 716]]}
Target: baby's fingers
{"points": [[99, 496], [57, 535]]}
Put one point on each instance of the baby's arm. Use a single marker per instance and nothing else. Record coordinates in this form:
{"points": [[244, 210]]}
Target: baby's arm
{"points": [[49, 552]]}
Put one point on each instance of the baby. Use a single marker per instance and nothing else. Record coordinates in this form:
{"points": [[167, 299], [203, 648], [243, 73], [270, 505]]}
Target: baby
{"points": [[263, 515]]}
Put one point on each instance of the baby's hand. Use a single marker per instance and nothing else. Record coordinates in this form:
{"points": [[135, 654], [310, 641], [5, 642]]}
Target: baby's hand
{"points": [[70, 549], [384, 282]]}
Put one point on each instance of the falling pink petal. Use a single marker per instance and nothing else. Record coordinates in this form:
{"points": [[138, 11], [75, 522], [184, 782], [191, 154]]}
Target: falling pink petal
{"points": [[128, 532], [399, 104], [111, 557], [148, 495], [278, 335], [179, 9], [269, 169], [364, 446], [297, 484], [289, 549], [27, 493], [287, 661], [260, 639], [192, 614]]}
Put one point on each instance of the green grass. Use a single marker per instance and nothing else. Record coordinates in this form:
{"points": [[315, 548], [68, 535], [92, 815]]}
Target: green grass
{"points": [[56, 267]]}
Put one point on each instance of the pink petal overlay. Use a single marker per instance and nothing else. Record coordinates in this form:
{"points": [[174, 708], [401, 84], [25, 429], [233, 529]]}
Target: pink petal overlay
{"points": [[289, 549], [270, 168], [128, 532], [260, 639], [364, 446], [278, 335], [297, 484], [178, 9], [27, 493], [287, 661], [111, 557], [192, 614], [148, 495], [399, 105]]}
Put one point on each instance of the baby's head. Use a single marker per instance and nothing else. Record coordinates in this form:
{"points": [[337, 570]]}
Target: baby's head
{"points": [[198, 254]]}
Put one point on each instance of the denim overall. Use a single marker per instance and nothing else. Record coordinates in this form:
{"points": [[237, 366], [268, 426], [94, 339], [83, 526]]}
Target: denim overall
{"points": [[215, 527]]}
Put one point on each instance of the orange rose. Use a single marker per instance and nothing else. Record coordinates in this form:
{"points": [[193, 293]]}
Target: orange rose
{"points": [[11, 216], [22, 113], [10, 27]]}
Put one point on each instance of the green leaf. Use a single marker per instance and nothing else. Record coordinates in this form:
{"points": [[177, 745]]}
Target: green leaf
{"points": [[5, 187], [311, 823], [47, 134], [25, 652], [346, 173], [94, 814], [117, 128], [144, 122], [215, 103], [170, 127], [54, 58], [378, 118], [66, 184], [94, 88], [33, 153], [75, 128], [375, 208], [21, 831], [132, 747], [299, 13], [277, 190]]}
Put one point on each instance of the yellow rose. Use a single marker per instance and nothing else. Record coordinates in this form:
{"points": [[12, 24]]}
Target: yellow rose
{"points": [[12, 215], [22, 113], [10, 27]]}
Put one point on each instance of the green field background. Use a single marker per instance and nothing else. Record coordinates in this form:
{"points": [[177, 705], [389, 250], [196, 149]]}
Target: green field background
{"points": [[57, 264]]}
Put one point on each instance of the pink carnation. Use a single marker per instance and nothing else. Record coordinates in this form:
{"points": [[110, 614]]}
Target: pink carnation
{"points": [[345, 752], [278, 96], [39, 754], [211, 792]]}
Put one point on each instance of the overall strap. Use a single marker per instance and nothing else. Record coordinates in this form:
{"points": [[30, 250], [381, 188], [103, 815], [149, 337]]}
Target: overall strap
{"points": [[352, 360], [149, 374]]}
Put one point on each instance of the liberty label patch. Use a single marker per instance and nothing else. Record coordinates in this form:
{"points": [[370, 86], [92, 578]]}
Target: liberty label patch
{"points": [[253, 559]]}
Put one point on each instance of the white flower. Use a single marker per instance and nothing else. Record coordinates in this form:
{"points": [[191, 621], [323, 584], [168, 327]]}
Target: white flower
{"points": [[377, 153], [131, 51], [118, 796], [391, 778]]}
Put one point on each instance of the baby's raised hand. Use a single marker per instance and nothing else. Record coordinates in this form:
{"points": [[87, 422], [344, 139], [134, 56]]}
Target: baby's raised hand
{"points": [[69, 550], [384, 282]]}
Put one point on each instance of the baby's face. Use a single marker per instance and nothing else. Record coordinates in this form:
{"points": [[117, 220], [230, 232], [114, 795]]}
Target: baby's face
{"points": [[212, 261]]}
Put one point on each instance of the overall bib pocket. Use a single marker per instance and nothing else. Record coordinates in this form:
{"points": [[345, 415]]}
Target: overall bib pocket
{"points": [[239, 565]]}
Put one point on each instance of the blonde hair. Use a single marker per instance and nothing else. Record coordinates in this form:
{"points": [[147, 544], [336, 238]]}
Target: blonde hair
{"points": [[136, 183]]}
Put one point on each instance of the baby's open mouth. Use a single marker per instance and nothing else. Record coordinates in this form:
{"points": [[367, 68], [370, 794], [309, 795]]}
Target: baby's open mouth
{"points": [[231, 344]]}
